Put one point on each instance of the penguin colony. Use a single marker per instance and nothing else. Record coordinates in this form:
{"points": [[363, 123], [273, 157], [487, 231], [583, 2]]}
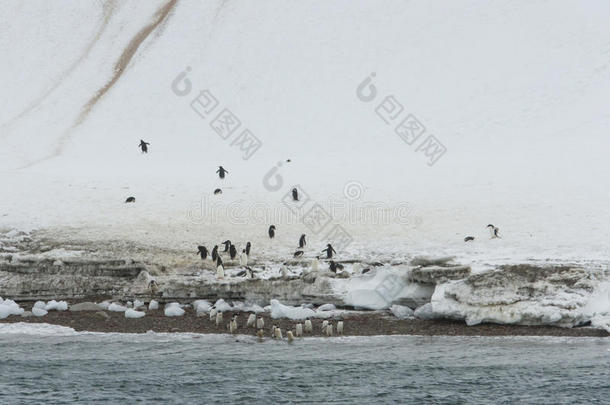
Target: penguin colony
{"points": [[230, 249]]}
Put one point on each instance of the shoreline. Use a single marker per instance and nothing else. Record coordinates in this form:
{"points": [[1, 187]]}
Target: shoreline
{"points": [[356, 324]]}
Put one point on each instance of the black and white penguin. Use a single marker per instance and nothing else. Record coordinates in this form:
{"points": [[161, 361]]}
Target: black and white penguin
{"points": [[340, 328], [227, 244], [130, 200], [298, 253], [272, 231], [221, 172], [251, 321], [243, 258], [249, 272], [215, 253], [260, 322], [315, 263], [153, 287], [220, 269], [295, 194], [302, 241], [232, 252], [468, 238], [364, 271], [494, 231], [233, 324], [203, 252], [335, 266], [308, 326], [218, 318], [248, 246], [144, 146], [217, 191], [329, 251], [289, 336], [298, 330]]}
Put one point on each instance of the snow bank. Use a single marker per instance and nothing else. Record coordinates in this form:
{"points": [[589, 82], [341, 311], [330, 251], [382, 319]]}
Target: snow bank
{"points": [[173, 309], [9, 307], [132, 313], [114, 307], [382, 287], [525, 295], [401, 311], [240, 306]]}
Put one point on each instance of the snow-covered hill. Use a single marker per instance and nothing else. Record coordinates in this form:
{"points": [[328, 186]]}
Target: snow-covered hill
{"points": [[516, 92]]}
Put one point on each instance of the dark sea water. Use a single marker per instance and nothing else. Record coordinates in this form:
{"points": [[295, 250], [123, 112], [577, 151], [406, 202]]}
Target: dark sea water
{"points": [[67, 368]]}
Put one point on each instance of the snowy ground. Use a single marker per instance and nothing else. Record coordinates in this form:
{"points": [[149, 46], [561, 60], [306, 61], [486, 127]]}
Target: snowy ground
{"points": [[516, 92]]}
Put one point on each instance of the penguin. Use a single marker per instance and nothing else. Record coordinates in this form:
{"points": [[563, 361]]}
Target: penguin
{"points": [[220, 269], [218, 318], [221, 172], [324, 326], [203, 252], [217, 191], [260, 334], [298, 331], [243, 258], [249, 272], [144, 146], [302, 241], [340, 328], [315, 263], [329, 251], [278, 333], [329, 330], [233, 325], [298, 253], [295, 194], [364, 271], [468, 238], [233, 252], [273, 328], [248, 246], [335, 266], [251, 320], [152, 287], [130, 200], [284, 272], [289, 336], [213, 313], [494, 231], [260, 323], [308, 326], [215, 253], [227, 244], [272, 231]]}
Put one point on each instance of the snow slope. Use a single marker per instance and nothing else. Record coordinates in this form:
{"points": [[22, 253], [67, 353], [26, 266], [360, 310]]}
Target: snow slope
{"points": [[515, 90]]}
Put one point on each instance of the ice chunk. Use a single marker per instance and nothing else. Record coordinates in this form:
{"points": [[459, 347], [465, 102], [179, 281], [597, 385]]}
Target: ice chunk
{"points": [[173, 309], [137, 304], [57, 306], [37, 311], [202, 306], [222, 306], [401, 311], [132, 313], [153, 305], [40, 304], [425, 312], [116, 308], [327, 307], [9, 307], [279, 310]]}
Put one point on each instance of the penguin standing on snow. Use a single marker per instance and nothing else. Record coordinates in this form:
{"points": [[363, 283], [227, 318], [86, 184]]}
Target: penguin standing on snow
{"points": [[144, 146], [468, 238], [227, 244], [203, 252], [217, 191], [215, 253], [243, 258], [220, 269], [329, 251], [233, 252], [272, 231], [297, 254], [221, 172], [335, 266], [494, 231], [314, 263], [248, 246], [302, 241], [295, 194], [249, 272]]}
